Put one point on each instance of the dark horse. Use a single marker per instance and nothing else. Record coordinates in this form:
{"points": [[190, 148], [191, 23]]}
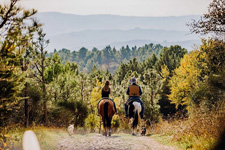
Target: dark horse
{"points": [[134, 109], [106, 111]]}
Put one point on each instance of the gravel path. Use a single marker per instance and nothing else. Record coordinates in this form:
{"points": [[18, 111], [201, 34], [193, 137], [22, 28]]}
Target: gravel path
{"points": [[115, 142]]}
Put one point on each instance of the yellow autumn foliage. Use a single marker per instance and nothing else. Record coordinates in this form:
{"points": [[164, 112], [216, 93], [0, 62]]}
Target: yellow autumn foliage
{"points": [[185, 80], [96, 94], [165, 72], [117, 102]]}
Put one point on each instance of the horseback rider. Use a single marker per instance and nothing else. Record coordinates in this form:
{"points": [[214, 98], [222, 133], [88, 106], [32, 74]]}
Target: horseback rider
{"points": [[134, 91], [105, 94]]}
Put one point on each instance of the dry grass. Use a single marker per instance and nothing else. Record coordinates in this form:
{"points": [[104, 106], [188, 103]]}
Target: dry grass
{"points": [[47, 137], [201, 131]]}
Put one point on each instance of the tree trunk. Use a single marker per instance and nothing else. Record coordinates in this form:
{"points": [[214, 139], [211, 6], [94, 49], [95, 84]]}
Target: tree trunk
{"points": [[152, 103], [45, 107], [45, 103], [26, 105], [44, 90], [82, 88], [26, 122], [55, 96]]}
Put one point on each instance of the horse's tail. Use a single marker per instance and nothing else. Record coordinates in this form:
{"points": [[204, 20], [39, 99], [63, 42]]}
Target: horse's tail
{"points": [[136, 117], [106, 114], [137, 110]]}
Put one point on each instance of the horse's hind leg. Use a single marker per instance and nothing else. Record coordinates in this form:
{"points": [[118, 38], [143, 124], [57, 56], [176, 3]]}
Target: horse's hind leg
{"points": [[133, 133], [135, 122], [105, 131], [109, 127], [104, 125], [110, 131]]}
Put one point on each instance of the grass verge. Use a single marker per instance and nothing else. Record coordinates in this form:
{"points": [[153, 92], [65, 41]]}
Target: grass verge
{"points": [[47, 137]]}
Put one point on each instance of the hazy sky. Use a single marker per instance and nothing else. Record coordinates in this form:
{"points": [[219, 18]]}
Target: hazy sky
{"points": [[121, 7]]}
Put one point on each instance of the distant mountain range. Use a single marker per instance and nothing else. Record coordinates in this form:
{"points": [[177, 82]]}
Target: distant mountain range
{"points": [[188, 44], [75, 31]]}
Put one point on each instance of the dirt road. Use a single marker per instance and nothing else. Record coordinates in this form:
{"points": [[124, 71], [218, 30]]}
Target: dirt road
{"points": [[115, 142]]}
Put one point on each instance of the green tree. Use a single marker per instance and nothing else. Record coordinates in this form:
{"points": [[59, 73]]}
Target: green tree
{"points": [[199, 78], [185, 81], [95, 96], [16, 35], [152, 83], [54, 68], [107, 56], [39, 56], [82, 53], [150, 62], [170, 57]]}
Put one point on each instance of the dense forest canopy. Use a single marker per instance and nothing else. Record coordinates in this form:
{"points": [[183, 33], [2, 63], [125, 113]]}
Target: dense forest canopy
{"points": [[108, 58]]}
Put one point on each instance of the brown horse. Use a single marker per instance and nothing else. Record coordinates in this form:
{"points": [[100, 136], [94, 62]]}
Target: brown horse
{"points": [[106, 111]]}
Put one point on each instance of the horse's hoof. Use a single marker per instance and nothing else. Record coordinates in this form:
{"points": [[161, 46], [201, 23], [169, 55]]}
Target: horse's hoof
{"points": [[104, 134], [109, 133], [133, 134]]}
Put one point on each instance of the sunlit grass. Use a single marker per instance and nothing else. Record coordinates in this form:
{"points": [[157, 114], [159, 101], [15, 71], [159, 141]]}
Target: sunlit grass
{"points": [[199, 132], [167, 140], [47, 137]]}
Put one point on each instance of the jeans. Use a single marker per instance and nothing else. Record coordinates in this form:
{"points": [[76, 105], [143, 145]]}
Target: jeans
{"points": [[133, 98]]}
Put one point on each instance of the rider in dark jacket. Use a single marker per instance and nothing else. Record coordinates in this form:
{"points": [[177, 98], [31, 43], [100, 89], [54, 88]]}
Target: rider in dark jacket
{"points": [[134, 91], [105, 94]]}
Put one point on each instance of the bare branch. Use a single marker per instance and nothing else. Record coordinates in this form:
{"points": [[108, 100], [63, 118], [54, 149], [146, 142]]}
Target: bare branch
{"points": [[7, 16], [39, 71], [39, 80], [211, 22]]}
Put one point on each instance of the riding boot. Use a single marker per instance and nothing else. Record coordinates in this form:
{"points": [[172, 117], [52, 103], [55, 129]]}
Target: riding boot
{"points": [[115, 107], [142, 110], [126, 107]]}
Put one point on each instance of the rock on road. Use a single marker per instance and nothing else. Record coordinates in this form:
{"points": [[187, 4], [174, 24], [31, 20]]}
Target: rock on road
{"points": [[115, 142]]}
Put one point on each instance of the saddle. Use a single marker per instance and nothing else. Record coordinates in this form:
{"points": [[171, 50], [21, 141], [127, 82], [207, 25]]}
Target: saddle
{"points": [[133, 100], [106, 98]]}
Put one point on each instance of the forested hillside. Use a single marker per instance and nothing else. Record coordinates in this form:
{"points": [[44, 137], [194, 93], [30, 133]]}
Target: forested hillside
{"points": [[108, 58], [183, 93]]}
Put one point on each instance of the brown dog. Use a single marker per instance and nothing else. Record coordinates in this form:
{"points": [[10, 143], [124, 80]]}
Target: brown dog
{"points": [[143, 131]]}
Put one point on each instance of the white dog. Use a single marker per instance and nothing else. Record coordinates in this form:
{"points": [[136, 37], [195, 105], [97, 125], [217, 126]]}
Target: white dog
{"points": [[70, 129]]}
